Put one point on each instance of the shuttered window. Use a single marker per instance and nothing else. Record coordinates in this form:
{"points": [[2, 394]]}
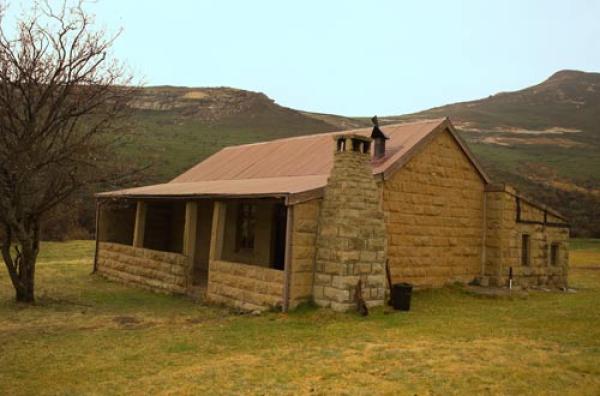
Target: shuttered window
{"points": [[246, 223], [554, 249], [525, 249]]}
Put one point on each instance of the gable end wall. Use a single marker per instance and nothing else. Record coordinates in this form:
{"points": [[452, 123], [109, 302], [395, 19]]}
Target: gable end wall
{"points": [[433, 210]]}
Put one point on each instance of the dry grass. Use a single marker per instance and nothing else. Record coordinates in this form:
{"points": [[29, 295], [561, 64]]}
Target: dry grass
{"points": [[90, 336]]}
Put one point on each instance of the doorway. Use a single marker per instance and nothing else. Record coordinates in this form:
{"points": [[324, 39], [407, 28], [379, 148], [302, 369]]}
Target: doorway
{"points": [[279, 236]]}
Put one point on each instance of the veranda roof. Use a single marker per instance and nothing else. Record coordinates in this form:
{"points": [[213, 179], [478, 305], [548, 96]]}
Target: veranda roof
{"points": [[282, 187]]}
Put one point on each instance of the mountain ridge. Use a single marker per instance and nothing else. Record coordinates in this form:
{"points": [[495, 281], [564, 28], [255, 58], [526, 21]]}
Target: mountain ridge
{"points": [[544, 139]]}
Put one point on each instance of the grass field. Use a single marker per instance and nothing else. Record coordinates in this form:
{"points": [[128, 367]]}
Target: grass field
{"points": [[89, 336]]}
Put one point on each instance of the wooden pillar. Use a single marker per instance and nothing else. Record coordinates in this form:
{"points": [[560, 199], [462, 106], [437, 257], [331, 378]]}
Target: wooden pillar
{"points": [[287, 266], [216, 234], [97, 227], [190, 229], [140, 224]]}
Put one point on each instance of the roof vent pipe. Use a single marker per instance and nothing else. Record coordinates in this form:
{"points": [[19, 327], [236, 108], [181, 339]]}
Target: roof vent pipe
{"points": [[379, 139]]}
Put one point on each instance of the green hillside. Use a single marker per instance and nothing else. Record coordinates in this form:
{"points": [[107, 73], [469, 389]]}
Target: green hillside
{"points": [[554, 125], [567, 99], [178, 127], [545, 139]]}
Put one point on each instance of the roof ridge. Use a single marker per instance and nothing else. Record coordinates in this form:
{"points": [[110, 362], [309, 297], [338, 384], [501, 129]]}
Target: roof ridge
{"points": [[441, 119]]}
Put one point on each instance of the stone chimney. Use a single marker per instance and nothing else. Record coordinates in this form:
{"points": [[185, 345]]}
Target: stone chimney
{"points": [[379, 138], [351, 239]]}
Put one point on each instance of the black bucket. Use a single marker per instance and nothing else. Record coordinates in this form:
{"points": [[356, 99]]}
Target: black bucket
{"points": [[400, 296]]}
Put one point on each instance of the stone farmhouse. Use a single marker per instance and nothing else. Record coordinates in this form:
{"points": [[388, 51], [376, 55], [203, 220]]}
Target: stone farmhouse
{"points": [[278, 223]]}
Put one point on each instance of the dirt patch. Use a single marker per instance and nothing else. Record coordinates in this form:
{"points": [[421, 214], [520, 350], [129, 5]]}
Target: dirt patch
{"points": [[197, 320], [126, 320], [472, 127], [553, 130], [195, 95], [540, 140], [130, 322], [495, 140]]}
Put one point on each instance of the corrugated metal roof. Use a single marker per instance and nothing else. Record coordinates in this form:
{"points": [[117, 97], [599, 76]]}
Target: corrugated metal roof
{"points": [[300, 156], [286, 166]]}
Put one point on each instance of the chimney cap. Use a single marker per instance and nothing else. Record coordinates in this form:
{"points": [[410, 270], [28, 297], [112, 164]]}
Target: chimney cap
{"points": [[377, 133]]}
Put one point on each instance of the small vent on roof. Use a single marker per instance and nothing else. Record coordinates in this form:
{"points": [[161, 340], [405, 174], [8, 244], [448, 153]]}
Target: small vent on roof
{"points": [[379, 138]]}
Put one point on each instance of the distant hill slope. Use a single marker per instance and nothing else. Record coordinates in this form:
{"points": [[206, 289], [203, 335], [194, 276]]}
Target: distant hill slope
{"points": [[177, 127], [543, 139], [568, 100]]}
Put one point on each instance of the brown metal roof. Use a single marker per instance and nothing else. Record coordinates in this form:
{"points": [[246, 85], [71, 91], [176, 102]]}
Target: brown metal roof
{"points": [[290, 166], [300, 156]]}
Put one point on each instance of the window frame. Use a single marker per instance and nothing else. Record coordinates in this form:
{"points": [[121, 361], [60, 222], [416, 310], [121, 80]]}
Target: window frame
{"points": [[245, 227]]}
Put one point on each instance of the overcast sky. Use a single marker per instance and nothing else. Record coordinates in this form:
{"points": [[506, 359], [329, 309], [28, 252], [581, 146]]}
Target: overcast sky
{"points": [[355, 58]]}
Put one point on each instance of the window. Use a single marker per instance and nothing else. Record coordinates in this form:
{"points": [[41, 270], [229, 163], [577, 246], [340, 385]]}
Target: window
{"points": [[554, 249], [525, 249], [246, 222]]}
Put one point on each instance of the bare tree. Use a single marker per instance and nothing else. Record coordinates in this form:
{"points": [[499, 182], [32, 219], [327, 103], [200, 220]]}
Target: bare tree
{"points": [[63, 106]]}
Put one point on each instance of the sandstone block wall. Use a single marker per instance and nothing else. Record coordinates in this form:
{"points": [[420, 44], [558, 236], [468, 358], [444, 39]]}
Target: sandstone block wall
{"points": [[248, 287], [304, 235], [150, 269], [504, 243], [434, 217], [351, 240], [496, 216]]}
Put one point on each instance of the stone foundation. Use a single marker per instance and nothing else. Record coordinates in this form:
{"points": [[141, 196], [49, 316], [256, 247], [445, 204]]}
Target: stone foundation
{"points": [[247, 287], [150, 269]]}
